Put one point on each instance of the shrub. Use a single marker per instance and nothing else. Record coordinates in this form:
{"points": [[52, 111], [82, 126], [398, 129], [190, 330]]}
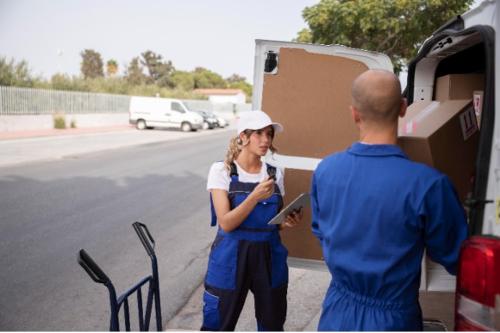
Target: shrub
{"points": [[73, 123], [59, 121]]}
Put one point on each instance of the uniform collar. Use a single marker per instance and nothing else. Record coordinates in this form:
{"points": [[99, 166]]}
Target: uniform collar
{"points": [[364, 149]]}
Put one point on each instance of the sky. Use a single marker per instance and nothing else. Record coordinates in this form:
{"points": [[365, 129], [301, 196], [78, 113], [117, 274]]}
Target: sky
{"points": [[217, 34]]}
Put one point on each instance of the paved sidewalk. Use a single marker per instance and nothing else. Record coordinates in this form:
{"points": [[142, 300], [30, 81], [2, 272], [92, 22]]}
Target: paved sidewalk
{"points": [[45, 145], [57, 132], [306, 290]]}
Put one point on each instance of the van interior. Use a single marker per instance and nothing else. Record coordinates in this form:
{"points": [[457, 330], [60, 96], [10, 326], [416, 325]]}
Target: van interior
{"points": [[466, 56]]}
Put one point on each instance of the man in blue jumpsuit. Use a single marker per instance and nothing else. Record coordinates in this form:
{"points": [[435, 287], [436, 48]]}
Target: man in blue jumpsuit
{"points": [[374, 212]]}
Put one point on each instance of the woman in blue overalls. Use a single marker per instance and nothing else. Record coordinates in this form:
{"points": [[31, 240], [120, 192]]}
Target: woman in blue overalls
{"points": [[247, 253]]}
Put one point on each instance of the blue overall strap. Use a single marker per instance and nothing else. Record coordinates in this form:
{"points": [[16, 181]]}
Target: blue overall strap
{"points": [[213, 221], [234, 178]]}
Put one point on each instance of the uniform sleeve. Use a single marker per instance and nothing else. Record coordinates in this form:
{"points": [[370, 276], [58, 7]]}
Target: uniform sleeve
{"points": [[218, 177], [445, 224], [315, 209]]}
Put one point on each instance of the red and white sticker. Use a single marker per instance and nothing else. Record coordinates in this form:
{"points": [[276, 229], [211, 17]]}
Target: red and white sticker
{"points": [[468, 123], [478, 102]]}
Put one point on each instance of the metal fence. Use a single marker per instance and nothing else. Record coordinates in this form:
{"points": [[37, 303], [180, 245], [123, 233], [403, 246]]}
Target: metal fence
{"points": [[29, 101]]}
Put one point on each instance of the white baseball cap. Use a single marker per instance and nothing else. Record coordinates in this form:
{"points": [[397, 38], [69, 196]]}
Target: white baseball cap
{"points": [[255, 120]]}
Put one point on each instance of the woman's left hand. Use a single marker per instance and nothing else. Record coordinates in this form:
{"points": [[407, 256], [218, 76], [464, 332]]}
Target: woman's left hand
{"points": [[293, 218]]}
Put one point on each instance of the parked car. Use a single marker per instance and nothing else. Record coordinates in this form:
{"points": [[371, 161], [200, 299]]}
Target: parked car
{"points": [[150, 112], [222, 122], [209, 119]]}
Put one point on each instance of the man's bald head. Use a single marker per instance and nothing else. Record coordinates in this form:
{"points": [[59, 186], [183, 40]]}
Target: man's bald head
{"points": [[376, 95]]}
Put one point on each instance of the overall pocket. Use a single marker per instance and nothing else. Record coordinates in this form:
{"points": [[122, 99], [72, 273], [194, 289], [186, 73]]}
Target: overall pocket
{"points": [[279, 267], [211, 318], [221, 272]]}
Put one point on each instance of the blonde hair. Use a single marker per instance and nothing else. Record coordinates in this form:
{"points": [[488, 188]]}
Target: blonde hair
{"points": [[235, 147]]}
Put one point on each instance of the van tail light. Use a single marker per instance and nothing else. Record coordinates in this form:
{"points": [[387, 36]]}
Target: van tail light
{"points": [[477, 306]]}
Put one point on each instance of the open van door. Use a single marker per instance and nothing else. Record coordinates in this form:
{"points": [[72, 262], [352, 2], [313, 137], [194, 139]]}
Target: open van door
{"points": [[307, 88]]}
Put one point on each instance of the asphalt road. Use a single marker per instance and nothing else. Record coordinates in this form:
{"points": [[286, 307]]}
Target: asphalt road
{"points": [[61, 194], [50, 210]]}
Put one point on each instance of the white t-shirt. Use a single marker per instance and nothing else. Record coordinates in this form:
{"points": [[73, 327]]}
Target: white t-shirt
{"points": [[218, 177]]}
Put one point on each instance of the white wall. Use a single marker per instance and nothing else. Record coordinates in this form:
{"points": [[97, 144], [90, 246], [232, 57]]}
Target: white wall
{"points": [[237, 99], [37, 122]]}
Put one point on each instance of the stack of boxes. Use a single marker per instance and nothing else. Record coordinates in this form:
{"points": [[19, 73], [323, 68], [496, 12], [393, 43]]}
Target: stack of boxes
{"points": [[444, 134]]}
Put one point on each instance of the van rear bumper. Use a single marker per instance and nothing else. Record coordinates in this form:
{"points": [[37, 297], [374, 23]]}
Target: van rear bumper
{"points": [[132, 121]]}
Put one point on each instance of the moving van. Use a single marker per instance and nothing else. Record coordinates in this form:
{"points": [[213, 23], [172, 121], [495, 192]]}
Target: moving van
{"points": [[307, 88], [150, 112]]}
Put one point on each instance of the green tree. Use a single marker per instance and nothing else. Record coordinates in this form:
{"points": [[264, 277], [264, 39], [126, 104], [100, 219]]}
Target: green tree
{"points": [[236, 81], [394, 27], [61, 82], [15, 74], [111, 67], [183, 80], [134, 74], [204, 78], [235, 78], [160, 71], [91, 65]]}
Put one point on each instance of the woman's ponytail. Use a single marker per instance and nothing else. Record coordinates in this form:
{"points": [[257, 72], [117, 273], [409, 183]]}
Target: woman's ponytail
{"points": [[233, 151]]}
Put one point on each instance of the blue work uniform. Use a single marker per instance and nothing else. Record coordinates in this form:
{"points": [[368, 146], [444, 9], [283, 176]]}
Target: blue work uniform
{"points": [[374, 212], [251, 257]]}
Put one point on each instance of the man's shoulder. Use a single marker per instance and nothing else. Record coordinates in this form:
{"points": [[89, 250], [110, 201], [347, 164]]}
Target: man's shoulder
{"points": [[423, 170], [332, 159]]}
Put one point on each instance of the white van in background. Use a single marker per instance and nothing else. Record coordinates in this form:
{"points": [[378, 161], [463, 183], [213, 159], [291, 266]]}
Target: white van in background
{"points": [[149, 112]]}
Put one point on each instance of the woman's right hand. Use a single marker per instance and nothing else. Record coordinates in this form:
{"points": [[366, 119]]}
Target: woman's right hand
{"points": [[264, 190]]}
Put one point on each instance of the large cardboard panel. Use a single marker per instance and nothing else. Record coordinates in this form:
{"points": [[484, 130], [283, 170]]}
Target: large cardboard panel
{"points": [[310, 96], [458, 86], [438, 140], [299, 240]]}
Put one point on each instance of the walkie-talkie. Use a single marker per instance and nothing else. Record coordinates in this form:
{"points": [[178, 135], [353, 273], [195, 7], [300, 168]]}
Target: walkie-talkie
{"points": [[272, 173]]}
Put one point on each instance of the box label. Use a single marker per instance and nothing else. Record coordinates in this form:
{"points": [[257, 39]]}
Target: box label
{"points": [[478, 102], [468, 123]]}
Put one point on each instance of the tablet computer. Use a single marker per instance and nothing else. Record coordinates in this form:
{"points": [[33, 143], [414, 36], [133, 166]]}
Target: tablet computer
{"points": [[301, 201]]}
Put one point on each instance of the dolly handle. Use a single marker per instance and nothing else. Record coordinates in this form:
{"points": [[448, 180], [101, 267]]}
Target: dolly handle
{"points": [[148, 242], [92, 269]]}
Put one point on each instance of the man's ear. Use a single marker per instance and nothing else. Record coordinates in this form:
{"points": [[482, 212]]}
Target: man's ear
{"points": [[355, 115], [403, 107]]}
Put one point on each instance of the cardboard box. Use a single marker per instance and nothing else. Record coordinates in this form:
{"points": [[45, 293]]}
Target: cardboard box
{"points": [[457, 86], [406, 124], [445, 135]]}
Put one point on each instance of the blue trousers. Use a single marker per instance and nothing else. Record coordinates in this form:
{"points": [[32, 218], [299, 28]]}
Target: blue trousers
{"points": [[222, 307]]}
